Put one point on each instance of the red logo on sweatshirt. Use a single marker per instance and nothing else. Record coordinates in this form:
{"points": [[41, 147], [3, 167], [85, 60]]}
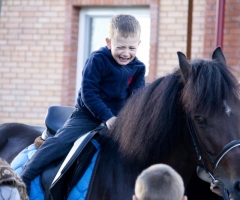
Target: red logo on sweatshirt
{"points": [[130, 80]]}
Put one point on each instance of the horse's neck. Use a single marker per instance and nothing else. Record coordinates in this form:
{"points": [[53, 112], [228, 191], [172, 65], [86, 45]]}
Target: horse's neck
{"points": [[181, 161], [115, 178], [112, 181]]}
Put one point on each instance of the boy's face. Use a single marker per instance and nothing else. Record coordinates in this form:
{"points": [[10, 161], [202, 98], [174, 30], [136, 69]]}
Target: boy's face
{"points": [[123, 49]]}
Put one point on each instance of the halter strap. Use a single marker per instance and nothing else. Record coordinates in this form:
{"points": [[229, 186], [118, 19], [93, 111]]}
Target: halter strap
{"points": [[195, 138], [225, 150]]}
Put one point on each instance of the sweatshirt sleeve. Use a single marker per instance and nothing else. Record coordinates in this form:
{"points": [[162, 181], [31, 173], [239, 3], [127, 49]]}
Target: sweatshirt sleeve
{"points": [[90, 91]]}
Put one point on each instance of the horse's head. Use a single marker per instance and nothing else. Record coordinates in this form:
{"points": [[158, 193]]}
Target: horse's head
{"points": [[211, 100]]}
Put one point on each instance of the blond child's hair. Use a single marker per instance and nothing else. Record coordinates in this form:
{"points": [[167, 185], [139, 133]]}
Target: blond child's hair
{"points": [[125, 25], [159, 182]]}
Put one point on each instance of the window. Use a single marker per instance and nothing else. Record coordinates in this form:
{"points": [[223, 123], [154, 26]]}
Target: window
{"points": [[93, 30]]}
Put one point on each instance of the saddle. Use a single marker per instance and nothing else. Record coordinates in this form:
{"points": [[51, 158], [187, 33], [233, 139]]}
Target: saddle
{"points": [[69, 171], [75, 164], [55, 118]]}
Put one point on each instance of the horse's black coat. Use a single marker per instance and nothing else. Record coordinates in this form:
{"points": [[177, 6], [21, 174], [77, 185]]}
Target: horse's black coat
{"points": [[15, 137], [151, 127]]}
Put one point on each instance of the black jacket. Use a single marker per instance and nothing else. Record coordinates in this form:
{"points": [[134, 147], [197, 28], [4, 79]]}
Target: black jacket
{"points": [[106, 85]]}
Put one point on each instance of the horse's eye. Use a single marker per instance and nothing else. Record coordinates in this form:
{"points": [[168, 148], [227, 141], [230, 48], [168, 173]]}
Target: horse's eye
{"points": [[199, 120]]}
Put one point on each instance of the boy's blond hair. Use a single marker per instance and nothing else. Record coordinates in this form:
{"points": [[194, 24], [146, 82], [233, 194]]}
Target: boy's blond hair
{"points": [[159, 182], [125, 25]]}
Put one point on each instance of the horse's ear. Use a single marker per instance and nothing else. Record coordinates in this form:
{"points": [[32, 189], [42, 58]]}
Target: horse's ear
{"points": [[184, 65], [218, 55]]}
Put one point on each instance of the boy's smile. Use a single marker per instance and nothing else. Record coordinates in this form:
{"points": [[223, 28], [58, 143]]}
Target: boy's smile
{"points": [[123, 49]]}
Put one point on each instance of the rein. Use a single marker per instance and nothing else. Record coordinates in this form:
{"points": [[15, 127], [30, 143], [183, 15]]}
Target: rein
{"points": [[195, 138]]}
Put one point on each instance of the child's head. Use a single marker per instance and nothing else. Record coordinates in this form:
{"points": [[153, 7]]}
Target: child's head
{"points": [[159, 182], [125, 26], [124, 38]]}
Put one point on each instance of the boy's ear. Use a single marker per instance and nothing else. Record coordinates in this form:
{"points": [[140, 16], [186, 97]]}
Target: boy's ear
{"points": [[108, 41]]}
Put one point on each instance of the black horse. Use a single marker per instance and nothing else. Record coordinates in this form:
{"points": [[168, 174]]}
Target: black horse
{"points": [[186, 119], [158, 123], [15, 137]]}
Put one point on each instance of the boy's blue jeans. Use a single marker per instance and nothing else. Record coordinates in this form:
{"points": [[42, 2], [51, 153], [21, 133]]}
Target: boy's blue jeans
{"points": [[57, 147]]}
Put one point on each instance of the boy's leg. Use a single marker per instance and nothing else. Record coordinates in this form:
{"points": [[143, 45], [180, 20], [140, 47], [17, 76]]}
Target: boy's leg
{"points": [[58, 146]]}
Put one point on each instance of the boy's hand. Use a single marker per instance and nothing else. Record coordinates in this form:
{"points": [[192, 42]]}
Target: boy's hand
{"points": [[110, 122]]}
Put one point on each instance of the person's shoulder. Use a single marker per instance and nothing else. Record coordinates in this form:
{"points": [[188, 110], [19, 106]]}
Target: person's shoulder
{"points": [[100, 60], [138, 63], [102, 52]]}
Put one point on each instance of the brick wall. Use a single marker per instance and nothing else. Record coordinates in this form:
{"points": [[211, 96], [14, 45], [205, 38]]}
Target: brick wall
{"points": [[39, 45], [231, 37], [231, 45], [173, 33], [32, 35]]}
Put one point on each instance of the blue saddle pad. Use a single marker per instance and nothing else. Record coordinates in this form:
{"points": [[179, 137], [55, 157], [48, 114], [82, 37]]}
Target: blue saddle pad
{"points": [[78, 192]]}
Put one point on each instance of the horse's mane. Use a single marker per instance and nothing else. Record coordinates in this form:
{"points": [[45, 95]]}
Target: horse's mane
{"points": [[151, 122]]}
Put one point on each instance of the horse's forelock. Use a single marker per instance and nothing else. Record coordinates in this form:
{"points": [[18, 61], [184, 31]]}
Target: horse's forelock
{"points": [[209, 83]]}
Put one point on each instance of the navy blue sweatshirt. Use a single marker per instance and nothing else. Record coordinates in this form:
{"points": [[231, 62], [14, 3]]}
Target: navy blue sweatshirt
{"points": [[106, 85]]}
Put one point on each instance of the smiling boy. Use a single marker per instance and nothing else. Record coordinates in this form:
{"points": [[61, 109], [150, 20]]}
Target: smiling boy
{"points": [[110, 76]]}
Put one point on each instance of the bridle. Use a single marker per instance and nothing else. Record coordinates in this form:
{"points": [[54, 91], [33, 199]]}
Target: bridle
{"points": [[214, 161]]}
